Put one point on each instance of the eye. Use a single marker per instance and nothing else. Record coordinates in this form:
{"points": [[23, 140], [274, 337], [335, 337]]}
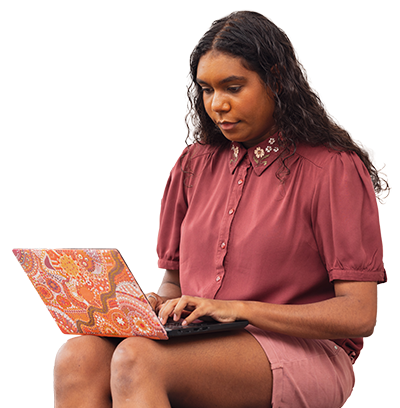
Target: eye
{"points": [[234, 89], [206, 91]]}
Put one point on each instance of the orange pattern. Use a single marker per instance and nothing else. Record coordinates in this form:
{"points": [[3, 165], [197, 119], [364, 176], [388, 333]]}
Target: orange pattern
{"points": [[90, 291]]}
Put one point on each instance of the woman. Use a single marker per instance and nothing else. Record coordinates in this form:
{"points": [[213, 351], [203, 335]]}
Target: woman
{"points": [[269, 216]]}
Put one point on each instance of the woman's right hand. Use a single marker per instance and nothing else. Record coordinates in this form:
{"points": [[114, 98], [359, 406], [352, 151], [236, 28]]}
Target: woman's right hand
{"points": [[169, 289], [155, 300]]}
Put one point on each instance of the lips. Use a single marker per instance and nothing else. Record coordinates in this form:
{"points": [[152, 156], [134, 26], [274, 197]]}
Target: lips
{"points": [[227, 125]]}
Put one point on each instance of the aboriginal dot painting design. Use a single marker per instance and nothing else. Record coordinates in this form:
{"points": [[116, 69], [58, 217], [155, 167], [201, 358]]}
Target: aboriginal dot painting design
{"points": [[90, 292]]}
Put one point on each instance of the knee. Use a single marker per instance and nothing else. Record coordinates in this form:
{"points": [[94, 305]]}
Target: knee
{"points": [[82, 372], [131, 363], [75, 355], [75, 361], [132, 355]]}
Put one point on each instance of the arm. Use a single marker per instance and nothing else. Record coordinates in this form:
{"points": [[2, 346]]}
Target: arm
{"points": [[351, 313], [169, 289]]}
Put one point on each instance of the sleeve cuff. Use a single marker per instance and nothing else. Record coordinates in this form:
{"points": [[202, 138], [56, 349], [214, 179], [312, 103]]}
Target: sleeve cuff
{"points": [[167, 264], [359, 276]]}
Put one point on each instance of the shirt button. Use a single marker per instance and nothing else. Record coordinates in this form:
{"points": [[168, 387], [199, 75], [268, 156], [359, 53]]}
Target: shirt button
{"points": [[223, 245], [218, 278], [240, 182], [231, 211]]}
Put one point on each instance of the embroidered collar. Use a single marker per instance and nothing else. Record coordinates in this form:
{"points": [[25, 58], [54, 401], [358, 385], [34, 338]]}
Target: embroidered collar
{"points": [[261, 156]]}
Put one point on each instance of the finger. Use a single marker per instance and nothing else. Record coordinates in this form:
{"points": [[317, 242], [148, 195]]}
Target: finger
{"points": [[191, 307], [167, 309], [196, 314], [154, 300], [185, 304]]}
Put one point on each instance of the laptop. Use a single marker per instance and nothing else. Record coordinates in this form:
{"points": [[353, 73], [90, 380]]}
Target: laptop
{"points": [[92, 291]]}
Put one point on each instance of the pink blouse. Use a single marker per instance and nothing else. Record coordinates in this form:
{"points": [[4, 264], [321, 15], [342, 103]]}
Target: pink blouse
{"points": [[235, 231]]}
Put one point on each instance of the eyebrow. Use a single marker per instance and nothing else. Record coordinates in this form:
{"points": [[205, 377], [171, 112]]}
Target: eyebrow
{"points": [[225, 80]]}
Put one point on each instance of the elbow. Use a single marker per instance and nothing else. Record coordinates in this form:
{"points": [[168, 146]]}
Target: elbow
{"points": [[358, 311], [357, 330], [369, 329], [366, 327], [361, 324], [366, 332]]}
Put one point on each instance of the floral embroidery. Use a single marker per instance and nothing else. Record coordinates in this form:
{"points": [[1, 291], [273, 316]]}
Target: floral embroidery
{"points": [[235, 153], [257, 156], [261, 155], [259, 152]]}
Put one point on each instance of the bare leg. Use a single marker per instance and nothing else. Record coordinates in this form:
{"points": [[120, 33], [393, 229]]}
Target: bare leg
{"points": [[82, 373], [224, 370]]}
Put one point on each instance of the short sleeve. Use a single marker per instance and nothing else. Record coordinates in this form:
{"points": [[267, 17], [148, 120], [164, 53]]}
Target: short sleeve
{"points": [[173, 210], [346, 220]]}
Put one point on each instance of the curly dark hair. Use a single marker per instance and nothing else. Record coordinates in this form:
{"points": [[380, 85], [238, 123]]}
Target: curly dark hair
{"points": [[299, 113]]}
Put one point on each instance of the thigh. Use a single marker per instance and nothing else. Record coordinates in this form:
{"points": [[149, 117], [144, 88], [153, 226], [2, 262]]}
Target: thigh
{"points": [[86, 353], [217, 370], [306, 372]]}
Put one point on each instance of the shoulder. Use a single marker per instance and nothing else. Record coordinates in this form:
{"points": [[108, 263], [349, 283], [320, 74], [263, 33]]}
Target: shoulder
{"points": [[198, 151], [197, 155], [322, 158], [333, 169]]}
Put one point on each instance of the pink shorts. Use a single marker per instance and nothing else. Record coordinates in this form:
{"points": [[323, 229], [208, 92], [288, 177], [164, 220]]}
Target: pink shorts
{"points": [[307, 373]]}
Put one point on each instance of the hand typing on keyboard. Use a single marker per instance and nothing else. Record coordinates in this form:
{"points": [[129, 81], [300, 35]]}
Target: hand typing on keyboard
{"points": [[190, 308]]}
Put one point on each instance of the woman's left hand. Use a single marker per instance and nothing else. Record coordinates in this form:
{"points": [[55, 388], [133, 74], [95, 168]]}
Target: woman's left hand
{"points": [[220, 310]]}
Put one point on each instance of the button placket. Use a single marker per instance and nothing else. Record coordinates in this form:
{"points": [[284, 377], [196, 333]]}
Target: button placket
{"points": [[225, 230]]}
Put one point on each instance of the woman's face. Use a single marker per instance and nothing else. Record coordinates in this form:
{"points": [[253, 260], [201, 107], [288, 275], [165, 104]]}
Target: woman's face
{"points": [[236, 99]]}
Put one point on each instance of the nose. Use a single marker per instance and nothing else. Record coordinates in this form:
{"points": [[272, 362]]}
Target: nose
{"points": [[220, 103]]}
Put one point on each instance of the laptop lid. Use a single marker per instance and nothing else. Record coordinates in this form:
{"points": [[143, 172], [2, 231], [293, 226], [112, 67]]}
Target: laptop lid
{"points": [[92, 291]]}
